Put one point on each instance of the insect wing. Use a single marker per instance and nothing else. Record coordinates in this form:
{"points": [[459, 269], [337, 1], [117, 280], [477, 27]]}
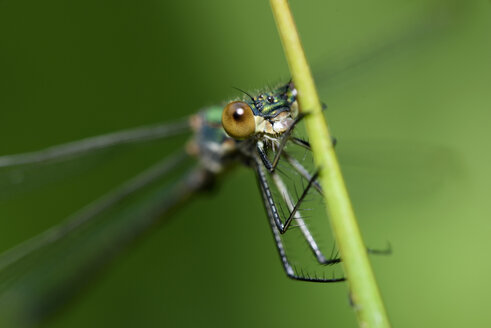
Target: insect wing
{"points": [[37, 276], [32, 170]]}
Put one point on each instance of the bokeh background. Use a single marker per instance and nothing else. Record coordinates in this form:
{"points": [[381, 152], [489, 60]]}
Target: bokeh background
{"points": [[408, 90]]}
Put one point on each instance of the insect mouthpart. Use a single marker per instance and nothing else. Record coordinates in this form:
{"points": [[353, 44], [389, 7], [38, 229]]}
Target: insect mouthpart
{"points": [[274, 126]]}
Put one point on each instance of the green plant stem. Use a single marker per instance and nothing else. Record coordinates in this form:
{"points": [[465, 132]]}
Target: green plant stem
{"points": [[364, 292]]}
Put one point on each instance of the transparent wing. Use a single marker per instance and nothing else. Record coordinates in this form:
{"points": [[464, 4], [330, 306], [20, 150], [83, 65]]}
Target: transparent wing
{"points": [[397, 171], [430, 25], [31, 170], [41, 274], [82, 146], [37, 276]]}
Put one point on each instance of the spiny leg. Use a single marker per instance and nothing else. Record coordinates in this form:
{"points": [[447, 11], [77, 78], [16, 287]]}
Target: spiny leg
{"points": [[272, 214], [305, 144], [312, 181], [272, 167], [264, 158], [299, 202], [301, 223], [286, 136], [297, 166], [268, 197], [290, 272], [270, 204]]}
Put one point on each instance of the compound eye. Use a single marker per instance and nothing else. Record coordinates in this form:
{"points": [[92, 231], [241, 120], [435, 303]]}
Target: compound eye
{"points": [[238, 120]]}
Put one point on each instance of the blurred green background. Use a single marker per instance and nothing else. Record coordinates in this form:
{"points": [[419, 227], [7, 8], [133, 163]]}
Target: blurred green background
{"points": [[408, 90]]}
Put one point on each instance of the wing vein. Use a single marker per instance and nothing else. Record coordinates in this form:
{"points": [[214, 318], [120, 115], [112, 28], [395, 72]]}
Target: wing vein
{"points": [[98, 142]]}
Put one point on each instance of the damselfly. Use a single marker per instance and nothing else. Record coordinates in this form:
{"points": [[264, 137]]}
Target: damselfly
{"points": [[64, 255], [254, 131], [257, 131]]}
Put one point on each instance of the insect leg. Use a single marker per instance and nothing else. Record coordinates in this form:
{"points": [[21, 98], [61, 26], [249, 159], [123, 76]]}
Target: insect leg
{"points": [[284, 138], [264, 158], [297, 166], [269, 203], [303, 227], [271, 165], [273, 217], [305, 144], [288, 221], [268, 197], [286, 264]]}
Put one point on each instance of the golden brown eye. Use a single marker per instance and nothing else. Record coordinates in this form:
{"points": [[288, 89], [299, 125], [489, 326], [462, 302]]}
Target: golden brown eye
{"points": [[238, 120]]}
